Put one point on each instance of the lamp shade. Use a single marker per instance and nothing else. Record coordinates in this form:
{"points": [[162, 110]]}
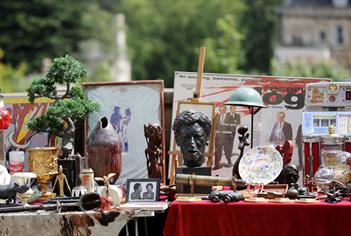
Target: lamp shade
{"points": [[245, 96]]}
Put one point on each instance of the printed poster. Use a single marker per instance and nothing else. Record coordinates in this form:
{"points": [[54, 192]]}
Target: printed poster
{"points": [[285, 97]]}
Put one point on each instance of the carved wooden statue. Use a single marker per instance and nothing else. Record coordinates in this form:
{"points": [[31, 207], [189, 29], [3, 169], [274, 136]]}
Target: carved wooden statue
{"points": [[62, 180], [243, 141], [153, 152]]}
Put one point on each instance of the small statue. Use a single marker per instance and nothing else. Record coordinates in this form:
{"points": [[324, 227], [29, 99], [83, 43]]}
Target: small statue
{"points": [[289, 175], [192, 131], [243, 141], [61, 178], [109, 190], [153, 152], [9, 193]]}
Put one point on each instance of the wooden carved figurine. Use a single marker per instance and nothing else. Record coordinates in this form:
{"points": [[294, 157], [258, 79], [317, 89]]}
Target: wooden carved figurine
{"points": [[243, 141], [153, 152], [62, 180]]}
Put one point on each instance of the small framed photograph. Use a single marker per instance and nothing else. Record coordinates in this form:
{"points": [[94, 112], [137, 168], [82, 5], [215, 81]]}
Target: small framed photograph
{"points": [[143, 190]]}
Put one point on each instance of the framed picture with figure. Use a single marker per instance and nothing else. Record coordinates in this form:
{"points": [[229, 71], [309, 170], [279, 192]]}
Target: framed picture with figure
{"points": [[143, 190], [128, 106]]}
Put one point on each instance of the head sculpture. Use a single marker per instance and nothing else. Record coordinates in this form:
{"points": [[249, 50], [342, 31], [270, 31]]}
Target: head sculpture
{"points": [[192, 131], [290, 173]]}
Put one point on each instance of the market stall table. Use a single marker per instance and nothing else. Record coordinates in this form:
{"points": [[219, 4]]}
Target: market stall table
{"points": [[248, 218]]}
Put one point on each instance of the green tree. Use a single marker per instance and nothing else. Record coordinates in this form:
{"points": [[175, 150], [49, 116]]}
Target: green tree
{"points": [[258, 25], [165, 36], [11, 78], [68, 107], [224, 53], [32, 30], [305, 68]]}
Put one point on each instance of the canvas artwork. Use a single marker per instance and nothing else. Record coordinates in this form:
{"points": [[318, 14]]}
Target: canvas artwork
{"points": [[18, 137], [128, 106]]}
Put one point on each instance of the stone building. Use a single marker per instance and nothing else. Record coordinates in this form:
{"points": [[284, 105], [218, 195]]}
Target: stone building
{"points": [[315, 29]]}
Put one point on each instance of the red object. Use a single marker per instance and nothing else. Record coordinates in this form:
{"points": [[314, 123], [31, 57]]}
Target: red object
{"points": [[286, 151], [347, 146], [316, 153], [4, 118], [105, 203], [245, 218], [332, 98]]}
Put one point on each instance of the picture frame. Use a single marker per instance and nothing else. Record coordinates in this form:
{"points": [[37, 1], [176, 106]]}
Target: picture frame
{"points": [[143, 190], [143, 102], [207, 108]]}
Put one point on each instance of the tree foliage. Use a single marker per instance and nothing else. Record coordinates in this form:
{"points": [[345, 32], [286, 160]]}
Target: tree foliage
{"points": [[36, 29], [68, 107], [305, 68], [258, 25], [224, 53], [165, 36], [11, 78]]}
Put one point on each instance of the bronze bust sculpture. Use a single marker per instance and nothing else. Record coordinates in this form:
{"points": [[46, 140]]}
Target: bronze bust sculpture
{"points": [[191, 132]]}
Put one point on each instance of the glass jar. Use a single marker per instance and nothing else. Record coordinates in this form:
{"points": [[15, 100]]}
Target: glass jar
{"points": [[330, 148]]}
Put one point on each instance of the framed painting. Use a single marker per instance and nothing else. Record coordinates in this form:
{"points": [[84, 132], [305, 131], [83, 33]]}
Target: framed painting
{"points": [[128, 106]]}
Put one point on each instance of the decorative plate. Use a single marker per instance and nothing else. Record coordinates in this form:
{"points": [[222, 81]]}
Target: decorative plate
{"points": [[260, 165]]}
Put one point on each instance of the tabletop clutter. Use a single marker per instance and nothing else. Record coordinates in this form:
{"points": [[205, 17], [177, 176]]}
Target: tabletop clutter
{"points": [[55, 177], [58, 179]]}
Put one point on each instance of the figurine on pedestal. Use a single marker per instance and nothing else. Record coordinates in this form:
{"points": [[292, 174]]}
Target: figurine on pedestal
{"points": [[191, 132], [62, 180], [153, 152], [243, 141]]}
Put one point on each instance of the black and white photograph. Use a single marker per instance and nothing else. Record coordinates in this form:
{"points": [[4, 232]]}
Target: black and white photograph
{"points": [[143, 190]]}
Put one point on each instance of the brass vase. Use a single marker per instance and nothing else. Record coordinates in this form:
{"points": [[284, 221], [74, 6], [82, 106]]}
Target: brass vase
{"points": [[43, 162]]}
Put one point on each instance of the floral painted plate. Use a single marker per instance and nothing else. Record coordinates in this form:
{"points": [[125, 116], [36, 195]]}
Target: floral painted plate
{"points": [[260, 165]]}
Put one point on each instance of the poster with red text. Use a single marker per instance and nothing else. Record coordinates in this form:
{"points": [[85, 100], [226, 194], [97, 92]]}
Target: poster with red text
{"points": [[284, 96]]}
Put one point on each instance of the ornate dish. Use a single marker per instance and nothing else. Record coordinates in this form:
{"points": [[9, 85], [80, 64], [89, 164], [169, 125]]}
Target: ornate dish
{"points": [[260, 165]]}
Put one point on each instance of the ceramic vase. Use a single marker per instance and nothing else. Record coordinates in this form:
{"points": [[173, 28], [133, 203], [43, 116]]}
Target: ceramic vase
{"points": [[105, 149]]}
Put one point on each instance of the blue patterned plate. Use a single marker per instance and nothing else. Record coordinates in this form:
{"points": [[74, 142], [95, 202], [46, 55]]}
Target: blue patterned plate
{"points": [[260, 165]]}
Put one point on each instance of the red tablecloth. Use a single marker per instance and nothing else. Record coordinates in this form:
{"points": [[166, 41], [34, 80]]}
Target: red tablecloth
{"points": [[246, 218]]}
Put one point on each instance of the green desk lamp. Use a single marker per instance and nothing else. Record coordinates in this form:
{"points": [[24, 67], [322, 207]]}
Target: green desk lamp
{"points": [[247, 97]]}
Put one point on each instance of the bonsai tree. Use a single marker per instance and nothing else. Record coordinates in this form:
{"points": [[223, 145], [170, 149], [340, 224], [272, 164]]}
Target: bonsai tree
{"points": [[69, 105]]}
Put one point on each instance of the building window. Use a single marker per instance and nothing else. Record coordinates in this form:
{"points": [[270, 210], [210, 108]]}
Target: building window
{"points": [[339, 36], [297, 40], [322, 37]]}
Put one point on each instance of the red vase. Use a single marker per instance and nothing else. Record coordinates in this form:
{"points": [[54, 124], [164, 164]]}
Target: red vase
{"points": [[105, 149], [4, 118]]}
